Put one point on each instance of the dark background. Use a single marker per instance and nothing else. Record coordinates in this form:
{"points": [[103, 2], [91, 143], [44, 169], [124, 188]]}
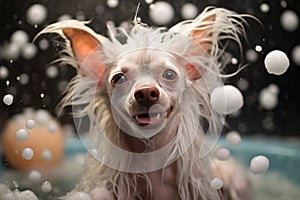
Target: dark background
{"points": [[284, 118]]}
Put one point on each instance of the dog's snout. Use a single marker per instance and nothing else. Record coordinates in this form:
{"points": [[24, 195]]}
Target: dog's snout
{"points": [[147, 95]]}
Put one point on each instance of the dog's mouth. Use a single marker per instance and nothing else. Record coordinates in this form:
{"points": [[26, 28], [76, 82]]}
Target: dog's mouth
{"points": [[146, 118]]}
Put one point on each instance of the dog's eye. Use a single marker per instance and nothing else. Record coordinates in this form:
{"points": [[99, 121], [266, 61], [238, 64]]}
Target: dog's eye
{"points": [[118, 79], [170, 74]]}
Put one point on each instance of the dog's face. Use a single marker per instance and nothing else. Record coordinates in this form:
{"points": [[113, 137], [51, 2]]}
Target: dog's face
{"points": [[145, 88]]}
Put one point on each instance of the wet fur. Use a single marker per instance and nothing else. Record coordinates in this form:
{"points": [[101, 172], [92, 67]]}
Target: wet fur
{"points": [[194, 167]]}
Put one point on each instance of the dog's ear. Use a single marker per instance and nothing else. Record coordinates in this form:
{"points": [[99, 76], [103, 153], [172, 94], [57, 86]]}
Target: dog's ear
{"points": [[83, 44], [87, 51]]}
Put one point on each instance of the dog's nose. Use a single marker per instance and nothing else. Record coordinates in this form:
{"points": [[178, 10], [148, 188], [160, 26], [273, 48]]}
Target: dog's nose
{"points": [[147, 95]]}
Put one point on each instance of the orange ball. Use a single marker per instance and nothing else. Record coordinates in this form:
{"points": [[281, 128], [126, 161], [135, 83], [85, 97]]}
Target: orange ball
{"points": [[36, 147]]}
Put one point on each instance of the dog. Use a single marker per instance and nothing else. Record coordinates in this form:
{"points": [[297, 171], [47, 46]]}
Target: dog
{"points": [[146, 95]]}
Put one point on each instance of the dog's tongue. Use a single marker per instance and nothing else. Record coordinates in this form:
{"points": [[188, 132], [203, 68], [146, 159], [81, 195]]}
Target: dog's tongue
{"points": [[146, 118]]}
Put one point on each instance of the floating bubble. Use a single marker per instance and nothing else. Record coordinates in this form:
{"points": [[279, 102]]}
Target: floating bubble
{"points": [[295, 55], [29, 50], [79, 196], [26, 195], [3, 72], [11, 51], [259, 164], [189, 11], [289, 20], [46, 187], [42, 116], [30, 124], [44, 44], [233, 138], [42, 95], [27, 153], [19, 37], [223, 153], [64, 17], [276, 62], [80, 16], [34, 176], [226, 99], [242, 84], [216, 183], [52, 127], [283, 3], [234, 61], [161, 12], [36, 14], [8, 99], [264, 7], [251, 55], [21, 135], [112, 3], [24, 79], [52, 72], [258, 48], [46, 155], [268, 98], [149, 1]]}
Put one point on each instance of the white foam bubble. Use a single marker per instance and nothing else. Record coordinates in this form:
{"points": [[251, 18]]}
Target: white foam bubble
{"points": [[3, 72], [34, 176], [8, 99], [19, 37], [251, 55], [233, 138], [223, 153], [46, 155], [52, 71], [226, 99], [268, 98], [11, 51], [23, 79], [242, 84], [234, 61], [112, 3], [258, 48], [30, 124], [189, 11], [276, 62], [21, 135], [29, 50], [295, 55], [259, 164], [52, 127], [289, 20], [46, 187], [64, 17], [27, 153], [36, 14], [161, 12], [216, 183], [26, 195], [44, 44], [264, 7], [42, 117], [79, 196]]}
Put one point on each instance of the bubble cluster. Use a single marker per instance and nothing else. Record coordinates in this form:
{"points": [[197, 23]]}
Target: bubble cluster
{"points": [[276, 62], [226, 99], [259, 164]]}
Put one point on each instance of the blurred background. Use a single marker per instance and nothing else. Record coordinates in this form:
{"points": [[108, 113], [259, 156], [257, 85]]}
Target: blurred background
{"points": [[271, 102]]}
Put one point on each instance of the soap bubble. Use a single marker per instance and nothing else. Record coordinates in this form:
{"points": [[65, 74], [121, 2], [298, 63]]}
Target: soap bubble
{"points": [[216, 183], [42, 117], [189, 11], [267, 99], [46, 155], [258, 48], [3, 72], [112, 3], [64, 17], [30, 124], [251, 55], [289, 20], [24, 79], [34, 176], [276, 62], [295, 55], [161, 13], [36, 14], [44, 44], [46, 187], [223, 153], [226, 99], [264, 7], [233, 138], [19, 37], [8, 99], [11, 51], [27, 153], [259, 164], [52, 72], [21, 135], [29, 50]]}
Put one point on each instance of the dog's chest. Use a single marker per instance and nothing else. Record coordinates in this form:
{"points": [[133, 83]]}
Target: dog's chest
{"points": [[163, 184]]}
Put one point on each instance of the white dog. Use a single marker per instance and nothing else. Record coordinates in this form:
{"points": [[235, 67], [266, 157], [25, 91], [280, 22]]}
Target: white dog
{"points": [[146, 92]]}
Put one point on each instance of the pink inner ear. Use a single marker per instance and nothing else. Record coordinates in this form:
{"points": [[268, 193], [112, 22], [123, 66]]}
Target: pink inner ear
{"points": [[87, 51], [192, 72]]}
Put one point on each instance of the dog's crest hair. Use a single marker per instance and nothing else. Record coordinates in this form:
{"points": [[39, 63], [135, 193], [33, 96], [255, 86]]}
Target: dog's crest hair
{"points": [[204, 33]]}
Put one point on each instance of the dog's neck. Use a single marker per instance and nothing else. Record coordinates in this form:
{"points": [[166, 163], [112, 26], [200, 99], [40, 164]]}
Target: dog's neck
{"points": [[156, 142]]}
